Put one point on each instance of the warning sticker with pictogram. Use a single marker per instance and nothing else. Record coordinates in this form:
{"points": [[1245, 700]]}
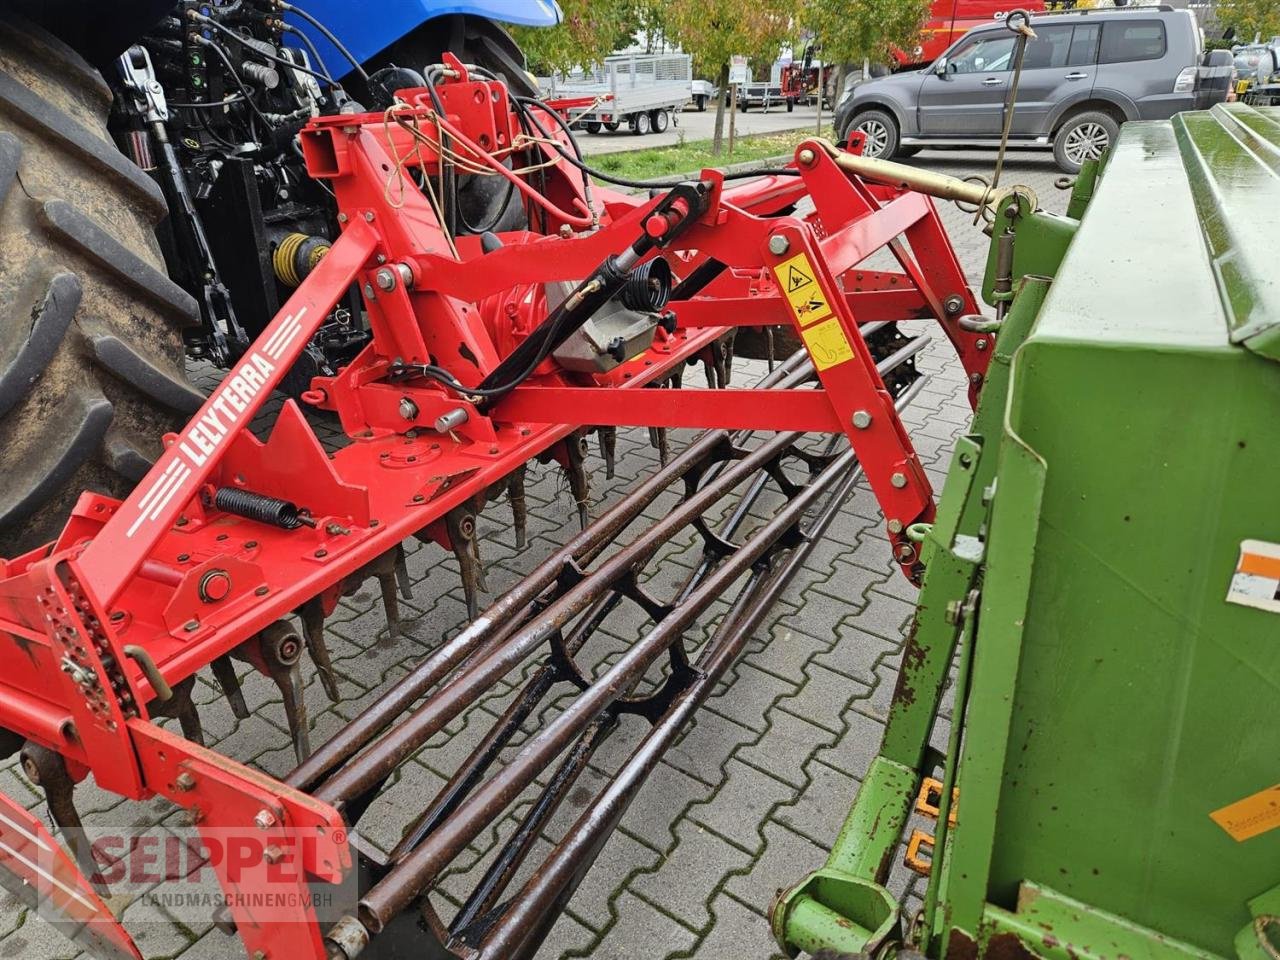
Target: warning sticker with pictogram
{"points": [[827, 344], [798, 281]]}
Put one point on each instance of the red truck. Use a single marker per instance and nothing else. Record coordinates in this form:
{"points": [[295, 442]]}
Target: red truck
{"points": [[951, 19]]}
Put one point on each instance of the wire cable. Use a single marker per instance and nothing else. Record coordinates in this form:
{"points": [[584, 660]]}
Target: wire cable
{"points": [[235, 74], [315, 54]]}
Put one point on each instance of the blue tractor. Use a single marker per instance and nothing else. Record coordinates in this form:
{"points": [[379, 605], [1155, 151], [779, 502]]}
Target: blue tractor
{"points": [[154, 208]]}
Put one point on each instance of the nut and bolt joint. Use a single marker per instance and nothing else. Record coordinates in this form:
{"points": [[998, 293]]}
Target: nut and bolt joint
{"points": [[408, 409], [778, 244], [807, 156], [953, 304], [265, 819], [185, 782], [899, 480], [861, 419]]}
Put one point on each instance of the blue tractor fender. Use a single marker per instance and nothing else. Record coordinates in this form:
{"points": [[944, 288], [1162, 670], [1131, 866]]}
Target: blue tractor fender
{"points": [[365, 32]]}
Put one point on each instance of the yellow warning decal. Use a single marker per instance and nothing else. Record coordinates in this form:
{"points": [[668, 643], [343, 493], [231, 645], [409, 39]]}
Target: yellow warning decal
{"points": [[828, 346], [1252, 816], [798, 281]]}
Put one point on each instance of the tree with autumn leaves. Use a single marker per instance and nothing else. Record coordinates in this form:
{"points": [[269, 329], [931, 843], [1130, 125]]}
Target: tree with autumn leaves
{"points": [[1260, 18], [713, 31]]}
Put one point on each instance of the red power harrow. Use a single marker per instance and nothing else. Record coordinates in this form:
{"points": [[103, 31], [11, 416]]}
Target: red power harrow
{"points": [[486, 352]]}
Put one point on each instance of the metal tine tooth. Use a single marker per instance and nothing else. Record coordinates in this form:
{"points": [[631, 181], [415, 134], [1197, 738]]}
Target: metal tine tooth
{"points": [[519, 505], [460, 524], [608, 437], [403, 579], [311, 614], [481, 580], [575, 470], [47, 769], [182, 708], [277, 651], [225, 673]]}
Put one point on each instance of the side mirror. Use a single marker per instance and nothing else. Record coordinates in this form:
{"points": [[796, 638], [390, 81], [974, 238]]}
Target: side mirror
{"points": [[940, 67]]}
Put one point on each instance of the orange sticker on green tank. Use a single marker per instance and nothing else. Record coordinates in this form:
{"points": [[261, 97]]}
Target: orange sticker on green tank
{"points": [[1252, 816]]}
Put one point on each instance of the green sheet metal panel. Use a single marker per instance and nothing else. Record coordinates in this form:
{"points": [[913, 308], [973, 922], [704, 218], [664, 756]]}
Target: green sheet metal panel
{"points": [[1144, 700]]}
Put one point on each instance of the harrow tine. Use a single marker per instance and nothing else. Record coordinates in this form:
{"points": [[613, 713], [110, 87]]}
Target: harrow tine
{"points": [[225, 673], [608, 438], [519, 505], [575, 470], [277, 653], [47, 770], [312, 615], [386, 576], [460, 524], [403, 580], [182, 708]]}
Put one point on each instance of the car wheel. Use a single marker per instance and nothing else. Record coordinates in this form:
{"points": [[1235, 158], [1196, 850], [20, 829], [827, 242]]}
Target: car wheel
{"points": [[1085, 136], [880, 132]]}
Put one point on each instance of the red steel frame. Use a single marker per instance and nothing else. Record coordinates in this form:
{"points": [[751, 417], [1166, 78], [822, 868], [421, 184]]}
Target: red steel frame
{"points": [[129, 572]]}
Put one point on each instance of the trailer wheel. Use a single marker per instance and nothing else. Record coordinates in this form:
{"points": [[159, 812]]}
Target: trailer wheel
{"points": [[613, 125], [593, 126], [743, 104], [700, 101], [92, 373], [639, 124], [659, 119], [791, 105]]}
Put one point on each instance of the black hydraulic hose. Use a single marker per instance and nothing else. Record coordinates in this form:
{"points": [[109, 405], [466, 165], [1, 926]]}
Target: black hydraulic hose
{"points": [[315, 54], [261, 54], [623, 181], [328, 35], [235, 74]]}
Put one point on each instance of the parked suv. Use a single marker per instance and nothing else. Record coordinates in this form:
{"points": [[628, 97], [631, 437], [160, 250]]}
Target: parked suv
{"points": [[1084, 74]]}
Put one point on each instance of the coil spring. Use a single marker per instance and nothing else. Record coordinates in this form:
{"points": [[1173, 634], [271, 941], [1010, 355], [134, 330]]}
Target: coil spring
{"points": [[649, 286], [260, 507]]}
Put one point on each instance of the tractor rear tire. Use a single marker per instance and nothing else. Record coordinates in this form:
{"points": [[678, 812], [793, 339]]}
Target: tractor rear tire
{"points": [[92, 371]]}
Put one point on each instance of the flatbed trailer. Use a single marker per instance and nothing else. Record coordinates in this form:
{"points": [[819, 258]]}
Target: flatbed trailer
{"points": [[644, 91]]}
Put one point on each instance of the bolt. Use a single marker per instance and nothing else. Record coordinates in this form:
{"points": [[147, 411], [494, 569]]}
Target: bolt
{"points": [[272, 854], [899, 480], [117, 616], [953, 614], [381, 258], [191, 626], [321, 554], [778, 244], [342, 218], [981, 344], [386, 279], [265, 819], [406, 274], [895, 526], [185, 782], [368, 291], [953, 304], [905, 552], [408, 409], [368, 216], [262, 591], [184, 557], [259, 955], [975, 378], [861, 419], [807, 156]]}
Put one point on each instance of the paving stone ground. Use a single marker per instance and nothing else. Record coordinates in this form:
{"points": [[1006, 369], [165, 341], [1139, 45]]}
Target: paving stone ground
{"points": [[746, 803]]}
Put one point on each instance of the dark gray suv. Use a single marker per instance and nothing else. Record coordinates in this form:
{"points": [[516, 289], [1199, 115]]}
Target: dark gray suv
{"points": [[1085, 73]]}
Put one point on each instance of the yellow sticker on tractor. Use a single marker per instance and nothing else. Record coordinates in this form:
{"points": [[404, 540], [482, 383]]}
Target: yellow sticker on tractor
{"points": [[799, 282], [828, 346], [1252, 816]]}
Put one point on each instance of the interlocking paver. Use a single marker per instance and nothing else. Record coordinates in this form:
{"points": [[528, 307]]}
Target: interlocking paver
{"points": [[748, 799]]}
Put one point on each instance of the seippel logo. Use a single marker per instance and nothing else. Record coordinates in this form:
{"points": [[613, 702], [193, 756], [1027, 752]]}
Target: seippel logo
{"points": [[217, 420]]}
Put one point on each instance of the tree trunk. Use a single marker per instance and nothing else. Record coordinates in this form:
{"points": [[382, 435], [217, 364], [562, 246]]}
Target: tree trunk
{"points": [[717, 140]]}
